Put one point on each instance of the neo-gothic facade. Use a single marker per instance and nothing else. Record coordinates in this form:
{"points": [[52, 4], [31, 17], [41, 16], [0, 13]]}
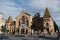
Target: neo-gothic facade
{"points": [[23, 22], [48, 22]]}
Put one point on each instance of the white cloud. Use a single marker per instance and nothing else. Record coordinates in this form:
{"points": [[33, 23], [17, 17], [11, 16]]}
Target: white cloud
{"points": [[53, 4], [57, 19], [9, 8]]}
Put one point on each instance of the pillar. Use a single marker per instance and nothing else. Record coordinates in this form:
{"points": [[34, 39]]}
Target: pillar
{"points": [[20, 31]]}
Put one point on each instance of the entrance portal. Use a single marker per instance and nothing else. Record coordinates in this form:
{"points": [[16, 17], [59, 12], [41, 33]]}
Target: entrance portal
{"points": [[22, 31]]}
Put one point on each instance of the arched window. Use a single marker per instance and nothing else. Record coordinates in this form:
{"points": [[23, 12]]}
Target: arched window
{"points": [[26, 21], [23, 20], [19, 23], [47, 24]]}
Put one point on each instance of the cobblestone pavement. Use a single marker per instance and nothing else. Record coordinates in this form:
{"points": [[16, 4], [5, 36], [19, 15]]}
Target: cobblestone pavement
{"points": [[24, 37]]}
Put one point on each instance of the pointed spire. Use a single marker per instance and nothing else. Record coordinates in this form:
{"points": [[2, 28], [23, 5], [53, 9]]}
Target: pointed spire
{"points": [[10, 19], [47, 14]]}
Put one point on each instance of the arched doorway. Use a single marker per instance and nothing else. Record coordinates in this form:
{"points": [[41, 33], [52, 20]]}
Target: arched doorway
{"points": [[22, 31]]}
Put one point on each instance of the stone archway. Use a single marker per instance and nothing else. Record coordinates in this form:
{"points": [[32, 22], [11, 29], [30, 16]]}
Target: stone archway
{"points": [[22, 31]]}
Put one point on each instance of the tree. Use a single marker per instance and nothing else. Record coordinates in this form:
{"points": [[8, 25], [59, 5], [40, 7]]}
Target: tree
{"points": [[55, 26], [37, 23], [3, 28]]}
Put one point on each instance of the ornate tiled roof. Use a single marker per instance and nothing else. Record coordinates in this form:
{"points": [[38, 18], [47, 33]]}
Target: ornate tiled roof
{"points": [[47, 14]]}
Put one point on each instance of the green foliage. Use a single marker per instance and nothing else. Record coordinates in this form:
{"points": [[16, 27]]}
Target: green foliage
{"points": [[37, 22], [55, 26], [3, 28]]}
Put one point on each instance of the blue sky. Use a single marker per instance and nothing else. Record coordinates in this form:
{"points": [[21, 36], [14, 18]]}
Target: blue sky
{"points": [[14, 7]]}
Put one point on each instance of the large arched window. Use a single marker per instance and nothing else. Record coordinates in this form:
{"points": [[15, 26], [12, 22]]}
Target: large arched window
{"points": [[26, 21], [19, 23], [47, 24], [23, 20]]}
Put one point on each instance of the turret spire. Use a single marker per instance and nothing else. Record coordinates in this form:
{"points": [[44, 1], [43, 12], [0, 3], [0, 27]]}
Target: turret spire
{"points": [[47, 14]]}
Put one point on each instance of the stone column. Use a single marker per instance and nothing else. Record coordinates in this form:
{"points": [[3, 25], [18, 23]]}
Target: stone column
{"points": [[24, 30], [32, 31], [20, 31]]}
